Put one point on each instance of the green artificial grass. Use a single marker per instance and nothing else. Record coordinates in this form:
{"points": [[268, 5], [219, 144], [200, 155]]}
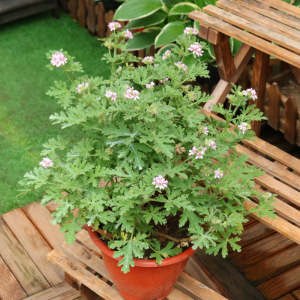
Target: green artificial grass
{"points": [[24, 80]]}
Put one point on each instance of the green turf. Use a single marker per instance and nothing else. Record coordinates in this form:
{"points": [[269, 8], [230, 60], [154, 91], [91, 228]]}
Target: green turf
{"points": [[24, 80]]}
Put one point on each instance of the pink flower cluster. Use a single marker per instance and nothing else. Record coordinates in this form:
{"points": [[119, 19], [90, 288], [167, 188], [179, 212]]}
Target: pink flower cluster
{"points": [[190, 31], [160, 182], [167, 54], [196, 49], [211, 143], [181, 66], [150, 85], [164, 79], [46, 162], [218, 174], [199, 152], [243, 127], [127, 34], [58, 59], [205, 130], [109, 94], [131, 93], [252, 93], [81, 87], [114, 25], [148, 60]]}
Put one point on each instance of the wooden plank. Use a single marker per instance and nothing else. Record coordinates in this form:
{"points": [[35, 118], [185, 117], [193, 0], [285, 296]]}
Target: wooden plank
{"points": [[91, 16], [20, 264], [82, 275], [81, 13], [84, 238], [259, 251], [281, 284], [73, 6], [197, 289], [274, 104], [258, 83], [101, 26], [296, 294], [271, 168], [259, 19], [176, 295], [273, 266], [88, 258], [283, 6], [34, 244], [11, 289], [59, 292], [290, 120], [41, 218], [253, 27], [215, 37], [247, 38], [108, 17], [223, 88], [280, 225], [224, 60], [270, 12], [229, 276], [203, 31], [287, 297]]}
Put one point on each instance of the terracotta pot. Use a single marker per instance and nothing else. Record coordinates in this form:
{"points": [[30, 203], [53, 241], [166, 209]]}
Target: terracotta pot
{"points": [[147, 280]]}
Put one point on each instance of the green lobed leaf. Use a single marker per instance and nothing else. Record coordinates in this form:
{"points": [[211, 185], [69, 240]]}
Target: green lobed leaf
{"points": [[169, 33], [136, 9]]}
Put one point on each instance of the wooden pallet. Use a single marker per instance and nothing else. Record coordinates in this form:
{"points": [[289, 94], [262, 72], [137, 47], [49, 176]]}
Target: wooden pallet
{"points": [[95, 280]]}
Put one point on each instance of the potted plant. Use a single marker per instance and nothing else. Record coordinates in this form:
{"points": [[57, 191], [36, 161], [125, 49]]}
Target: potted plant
{"points": [[171, 179]]}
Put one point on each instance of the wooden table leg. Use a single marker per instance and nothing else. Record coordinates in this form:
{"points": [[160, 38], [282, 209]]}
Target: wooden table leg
{"points": [[259, 80]]}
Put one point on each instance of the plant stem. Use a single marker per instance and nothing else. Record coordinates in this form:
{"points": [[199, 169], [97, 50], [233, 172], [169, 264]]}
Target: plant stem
{"points": [[69, 76], [174, 239]]}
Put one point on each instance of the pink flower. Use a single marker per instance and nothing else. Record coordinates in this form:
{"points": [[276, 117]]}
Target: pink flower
{"points": [[109, 94], [58, 59], [135, 95], [205, 130], [196, 49], [148, 60], [114, 25], [160, 182], [181, 66], [211, 143], [46, 162], [190, 31], [199, 152], [218, 174], [150, 85], [167, 54], [81, 87], [250, 92], [128, 34], [243, 127]]}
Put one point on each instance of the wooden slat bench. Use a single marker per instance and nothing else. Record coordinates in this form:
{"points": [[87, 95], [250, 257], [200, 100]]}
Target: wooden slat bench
{"points": [[266, 27], [93, 282]]}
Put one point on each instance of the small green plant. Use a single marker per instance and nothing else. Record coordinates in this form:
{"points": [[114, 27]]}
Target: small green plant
{"points": [[163, 161]]}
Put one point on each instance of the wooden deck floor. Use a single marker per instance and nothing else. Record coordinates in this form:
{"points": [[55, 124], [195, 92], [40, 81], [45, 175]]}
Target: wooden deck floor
{"points": [[270, 261]]}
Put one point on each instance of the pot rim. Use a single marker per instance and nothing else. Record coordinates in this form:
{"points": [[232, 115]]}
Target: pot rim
{"points": [[140, 262]]}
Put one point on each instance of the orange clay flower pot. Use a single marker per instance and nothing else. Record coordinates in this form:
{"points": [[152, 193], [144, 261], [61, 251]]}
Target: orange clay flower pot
{"points": [[146, 280]]}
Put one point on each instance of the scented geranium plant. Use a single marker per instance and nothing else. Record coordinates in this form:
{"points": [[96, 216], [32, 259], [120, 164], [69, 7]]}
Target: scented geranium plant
{"points": [[170, 176]]}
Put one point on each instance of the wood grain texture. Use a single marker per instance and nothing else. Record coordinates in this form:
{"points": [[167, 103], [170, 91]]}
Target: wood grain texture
{"points": [[10, 288], [274, 106], [274, 265], [247, 38], [229, 276], [20, 264], [290, 120], [82, 275], [59, 292], [287, 297], [260, 250], [101, 26], [91, 16], [73, 6], [34, 244], [176, 295], [259, 19], [252, 27], [281, 284], [81, 13], [296, 294]]}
